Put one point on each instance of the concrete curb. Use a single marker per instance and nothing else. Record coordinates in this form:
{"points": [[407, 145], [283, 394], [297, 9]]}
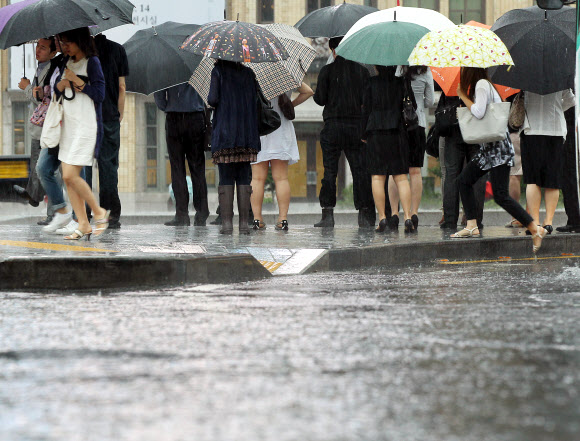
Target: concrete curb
{"points": [[101, 272], [348, 259]]}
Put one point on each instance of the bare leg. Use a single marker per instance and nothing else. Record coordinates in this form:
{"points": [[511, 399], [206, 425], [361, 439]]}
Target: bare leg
{"points": [[416, 188], [259, 175], [404, 194], [393, 197], [280, 175], [551, 196], [378, 187], [533, 200], [74, 183]]}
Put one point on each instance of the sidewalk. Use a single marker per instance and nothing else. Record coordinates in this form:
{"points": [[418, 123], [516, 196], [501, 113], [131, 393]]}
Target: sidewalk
{"points": [[144, 253]]}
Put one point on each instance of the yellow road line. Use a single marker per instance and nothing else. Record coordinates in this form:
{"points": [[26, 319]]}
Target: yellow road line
{"points": [[270, 266], [445, 262], [52, 246]]}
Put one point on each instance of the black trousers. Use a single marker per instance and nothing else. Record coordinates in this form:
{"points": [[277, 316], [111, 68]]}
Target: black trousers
{"points": [[456, 155], [108, 162], [570, 179], [499, 177], [184, 132], [335, 138]]}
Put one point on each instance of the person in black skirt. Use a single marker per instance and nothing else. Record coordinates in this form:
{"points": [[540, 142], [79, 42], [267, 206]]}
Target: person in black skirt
{"points": [[387, 143], [543, 151]]}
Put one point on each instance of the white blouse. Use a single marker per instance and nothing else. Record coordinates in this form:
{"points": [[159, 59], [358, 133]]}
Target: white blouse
{"points": [[485, 94], [545, 113]]}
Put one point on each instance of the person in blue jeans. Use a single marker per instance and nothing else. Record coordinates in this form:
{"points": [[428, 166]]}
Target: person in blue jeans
{"points": [[47, 171]]}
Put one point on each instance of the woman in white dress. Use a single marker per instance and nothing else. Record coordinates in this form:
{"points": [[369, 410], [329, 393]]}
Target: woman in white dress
{"points": [[279, 149], [83, 87]]}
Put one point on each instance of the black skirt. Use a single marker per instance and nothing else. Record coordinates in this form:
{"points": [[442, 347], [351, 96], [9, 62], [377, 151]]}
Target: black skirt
{"points": [[417, 145], [388, 152], [543, 160]]}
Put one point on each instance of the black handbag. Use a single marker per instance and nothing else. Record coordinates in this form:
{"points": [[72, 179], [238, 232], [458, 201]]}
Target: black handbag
{"points": [[432, 146], [410, 117], [268, 118], [446, 115]]}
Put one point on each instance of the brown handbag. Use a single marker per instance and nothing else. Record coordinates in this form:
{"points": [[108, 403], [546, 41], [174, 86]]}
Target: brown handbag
{"points": [[517, 112], [286, 107]]}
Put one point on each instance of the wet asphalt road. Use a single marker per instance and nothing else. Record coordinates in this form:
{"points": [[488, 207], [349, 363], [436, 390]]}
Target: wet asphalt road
{"points": [[473, 352]]}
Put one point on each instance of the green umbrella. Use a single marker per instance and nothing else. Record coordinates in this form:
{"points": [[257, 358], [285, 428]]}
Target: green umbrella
{"points": [[384, 44]]}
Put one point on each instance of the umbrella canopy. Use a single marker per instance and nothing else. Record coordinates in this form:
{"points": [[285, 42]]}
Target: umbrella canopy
{"points": [[332, 21], [274, 78], [460, 46], [385, 44], [427, 18], [155, 60], [34, 19], [448, 77], [236, 41], [543, 46]]}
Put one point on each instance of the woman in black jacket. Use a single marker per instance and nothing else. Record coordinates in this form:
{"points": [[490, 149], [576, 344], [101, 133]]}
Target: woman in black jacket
{"points": [[235, 141], [386, 138]]}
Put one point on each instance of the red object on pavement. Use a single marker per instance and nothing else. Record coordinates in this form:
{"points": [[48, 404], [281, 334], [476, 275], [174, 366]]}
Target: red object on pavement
{"points": [[448, 77]]}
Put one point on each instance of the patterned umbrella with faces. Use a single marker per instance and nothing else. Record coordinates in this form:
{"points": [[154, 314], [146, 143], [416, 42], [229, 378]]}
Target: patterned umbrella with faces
{"points": [[274, 78]]}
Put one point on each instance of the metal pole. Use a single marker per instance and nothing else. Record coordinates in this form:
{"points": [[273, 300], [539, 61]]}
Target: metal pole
{"points": [[577, 93], [24, 61]]}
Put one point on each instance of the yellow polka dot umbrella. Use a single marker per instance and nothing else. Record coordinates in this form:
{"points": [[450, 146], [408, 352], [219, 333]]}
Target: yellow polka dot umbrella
{"points": [[460, 46]]}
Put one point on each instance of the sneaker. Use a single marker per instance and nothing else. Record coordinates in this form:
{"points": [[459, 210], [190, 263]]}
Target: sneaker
{"points": [[58, 221], [68, 229], [47, 220]]}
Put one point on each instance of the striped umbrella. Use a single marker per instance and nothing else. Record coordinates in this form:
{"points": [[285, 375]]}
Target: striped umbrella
{"points": [[274, 78]]}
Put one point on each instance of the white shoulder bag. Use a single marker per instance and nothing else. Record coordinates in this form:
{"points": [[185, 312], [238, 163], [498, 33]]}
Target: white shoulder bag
{"points": [[51, 129], [491, 128]]}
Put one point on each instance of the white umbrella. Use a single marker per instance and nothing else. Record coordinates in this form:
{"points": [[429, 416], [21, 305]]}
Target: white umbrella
{"points": [[427, 18], [274, 78]]}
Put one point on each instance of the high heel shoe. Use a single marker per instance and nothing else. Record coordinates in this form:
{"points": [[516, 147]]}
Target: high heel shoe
{"points": [[102, 224], [281, 226], [540, 234], [409, 226], [394, 222], [78, 235], [259, 225], [415, 220], [382, 226], [548, 228]]}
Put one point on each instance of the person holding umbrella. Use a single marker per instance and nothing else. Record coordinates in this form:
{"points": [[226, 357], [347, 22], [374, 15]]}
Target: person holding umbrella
{"points": [[476, 91], [233, 93], [340, 90], [82, 85], [542, 140]]}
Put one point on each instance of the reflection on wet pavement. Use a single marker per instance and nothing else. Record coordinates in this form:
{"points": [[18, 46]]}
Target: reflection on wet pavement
{"points": [[474, 352]]}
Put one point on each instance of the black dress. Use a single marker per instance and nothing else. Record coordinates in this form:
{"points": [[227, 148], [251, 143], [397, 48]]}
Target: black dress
{"points": [[387, 142]]}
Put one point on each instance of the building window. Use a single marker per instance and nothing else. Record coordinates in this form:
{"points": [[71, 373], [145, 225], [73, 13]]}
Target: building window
{"points": [[313, 5], [462, 11], [19, 119], [266, 11], [372, 3], [152, 147], [427, 4]]}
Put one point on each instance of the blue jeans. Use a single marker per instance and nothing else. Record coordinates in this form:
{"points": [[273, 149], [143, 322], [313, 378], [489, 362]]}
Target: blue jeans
{"points": [[47, 171]]}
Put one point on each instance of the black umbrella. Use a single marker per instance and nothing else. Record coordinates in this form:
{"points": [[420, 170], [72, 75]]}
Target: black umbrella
{"points": [[543, 46], [332, 21], [236, 41], [155, 60], [34, 19]]}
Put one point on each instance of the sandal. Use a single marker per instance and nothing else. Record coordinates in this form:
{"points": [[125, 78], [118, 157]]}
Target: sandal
{"points": [[259, 225], [78, 234], [282, 225], [514, 223], [102, 224], [466, 232], [539, 235]]}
